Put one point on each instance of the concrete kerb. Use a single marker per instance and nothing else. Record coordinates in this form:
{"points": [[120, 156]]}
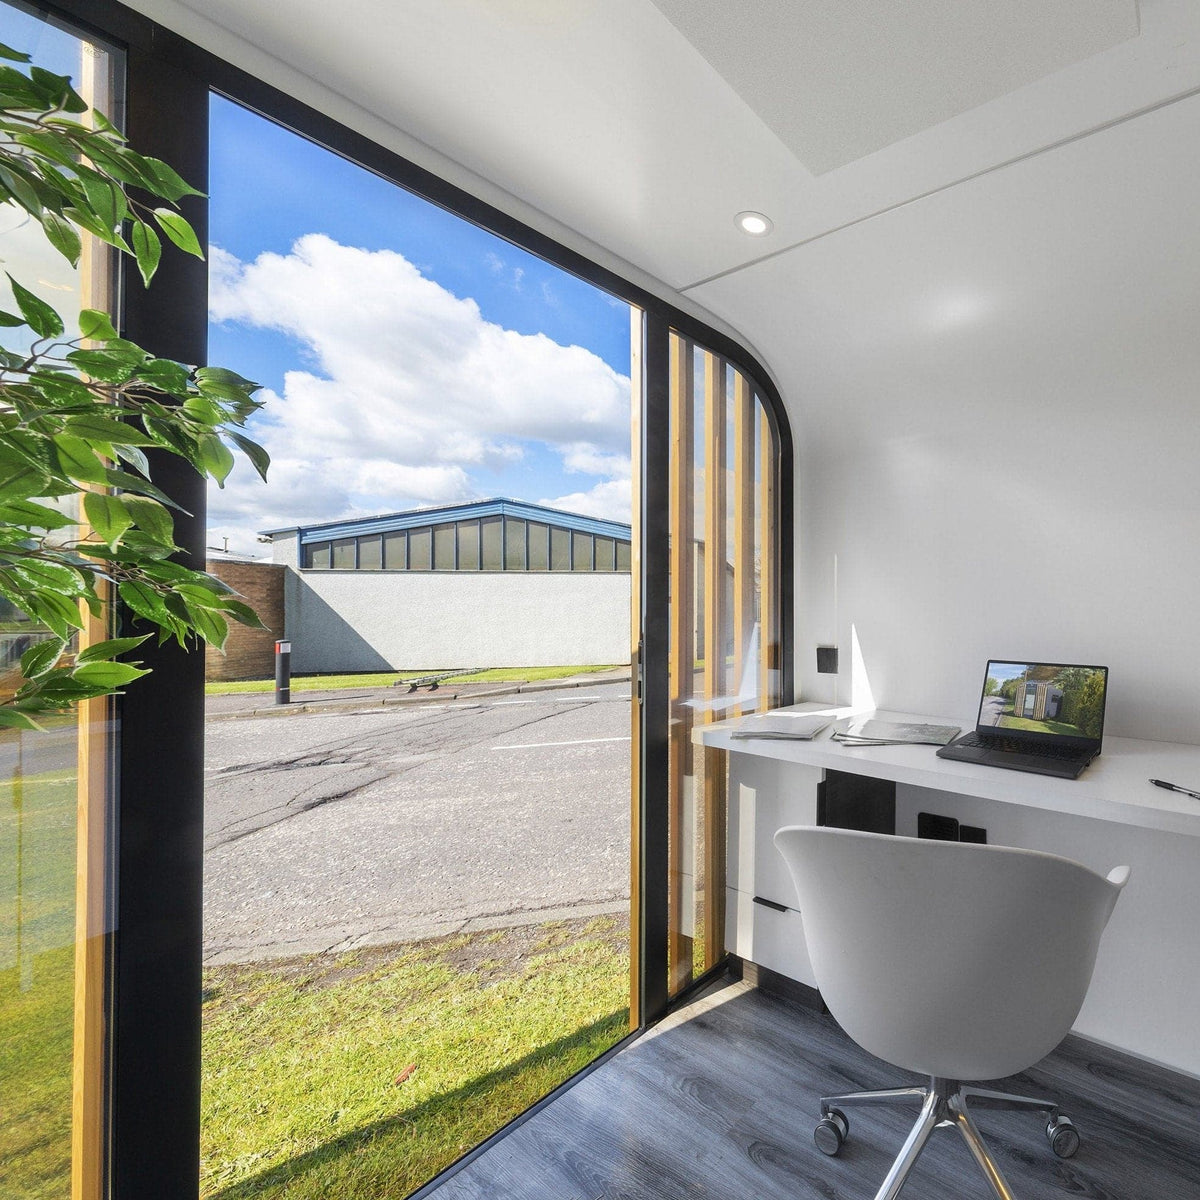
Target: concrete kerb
{"points": [[463, 692]]}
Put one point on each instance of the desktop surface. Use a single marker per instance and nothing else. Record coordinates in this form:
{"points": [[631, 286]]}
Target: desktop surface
{"points": [[1115, 786]]}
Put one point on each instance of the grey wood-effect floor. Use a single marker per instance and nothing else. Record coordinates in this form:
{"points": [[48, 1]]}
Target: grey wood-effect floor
{"points": [[719, 1101]]}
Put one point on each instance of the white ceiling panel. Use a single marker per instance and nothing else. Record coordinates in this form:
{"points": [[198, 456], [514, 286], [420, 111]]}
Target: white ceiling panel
{"points": [[1055, 292], [601, 115], [840, 79]]}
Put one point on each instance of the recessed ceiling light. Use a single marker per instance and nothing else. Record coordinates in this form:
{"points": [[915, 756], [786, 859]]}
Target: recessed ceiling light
{"points": [[754, 223]]}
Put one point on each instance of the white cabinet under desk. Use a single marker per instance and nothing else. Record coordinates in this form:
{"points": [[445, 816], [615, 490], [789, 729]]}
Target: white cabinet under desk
{"points": [[1143, 996]]}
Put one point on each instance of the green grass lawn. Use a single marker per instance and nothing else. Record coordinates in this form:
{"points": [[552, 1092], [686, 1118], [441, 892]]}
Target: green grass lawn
{"points": [[1039, 726], [36, 1030], [362, 1075], [37, 972], [310, 683]]}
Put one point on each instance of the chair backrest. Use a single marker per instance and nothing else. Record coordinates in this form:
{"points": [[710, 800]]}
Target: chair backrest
{"points": [[948, 958]]}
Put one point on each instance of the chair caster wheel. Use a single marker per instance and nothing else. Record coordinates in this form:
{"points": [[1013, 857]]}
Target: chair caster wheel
{"points": [[1063, 1137], [831, 1132]]}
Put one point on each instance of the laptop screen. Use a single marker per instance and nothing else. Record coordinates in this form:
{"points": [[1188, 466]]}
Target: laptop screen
{"points": [[1046, 699]]}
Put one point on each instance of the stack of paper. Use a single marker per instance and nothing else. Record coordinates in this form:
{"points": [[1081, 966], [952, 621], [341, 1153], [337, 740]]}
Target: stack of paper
{"points": [[781, 725], [865, 731]]}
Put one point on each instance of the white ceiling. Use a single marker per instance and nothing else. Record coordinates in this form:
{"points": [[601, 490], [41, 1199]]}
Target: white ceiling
{"points": [[840, 79], [601, 117]]}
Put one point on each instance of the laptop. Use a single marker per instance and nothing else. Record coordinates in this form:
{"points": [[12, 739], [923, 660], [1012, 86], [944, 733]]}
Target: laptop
{"points": [[1047, 718]]}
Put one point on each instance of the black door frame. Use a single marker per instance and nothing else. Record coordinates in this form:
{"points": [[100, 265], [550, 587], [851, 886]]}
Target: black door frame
{"points": [[155, 1059]]}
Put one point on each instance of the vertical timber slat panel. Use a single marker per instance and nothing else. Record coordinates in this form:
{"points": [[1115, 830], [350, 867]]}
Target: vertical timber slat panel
{"points": [[682, 651], [744, 584], [89, 1064], [769, 657], [637, 399], [711, 864]]}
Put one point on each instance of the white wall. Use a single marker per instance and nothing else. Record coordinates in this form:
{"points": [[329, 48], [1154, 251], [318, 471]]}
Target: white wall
{"points": [[995, 393], [377, 621], [996, 400]]}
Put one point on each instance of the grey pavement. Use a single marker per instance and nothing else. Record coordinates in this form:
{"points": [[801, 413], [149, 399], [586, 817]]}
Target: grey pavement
{"points": [[346, 827], [991, 710]]}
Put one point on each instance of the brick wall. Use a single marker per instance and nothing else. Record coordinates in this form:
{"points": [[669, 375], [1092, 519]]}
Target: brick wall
{"points": [[249, 653]]}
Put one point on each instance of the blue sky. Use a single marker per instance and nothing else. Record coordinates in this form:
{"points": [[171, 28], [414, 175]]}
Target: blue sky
{"points": [[287, 318]]}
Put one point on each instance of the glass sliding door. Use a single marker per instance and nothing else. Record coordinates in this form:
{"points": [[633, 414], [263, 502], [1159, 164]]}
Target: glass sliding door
{"points": [[55, 785], [723, 624], [416, 900]]}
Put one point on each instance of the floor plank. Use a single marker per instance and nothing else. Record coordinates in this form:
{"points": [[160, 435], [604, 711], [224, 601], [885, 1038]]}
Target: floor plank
{"points": [[719, 1101]]}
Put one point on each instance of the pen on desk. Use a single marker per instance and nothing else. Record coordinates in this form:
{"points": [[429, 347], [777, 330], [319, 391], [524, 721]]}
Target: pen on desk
{"points": [[1172, 787]]}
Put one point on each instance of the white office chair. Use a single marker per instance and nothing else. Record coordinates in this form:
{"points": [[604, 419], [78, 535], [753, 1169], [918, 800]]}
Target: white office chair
{"points": [[954, 960]]}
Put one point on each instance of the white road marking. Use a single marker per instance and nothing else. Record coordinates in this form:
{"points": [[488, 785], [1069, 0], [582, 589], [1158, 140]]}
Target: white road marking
{"points": [[580, 742]]}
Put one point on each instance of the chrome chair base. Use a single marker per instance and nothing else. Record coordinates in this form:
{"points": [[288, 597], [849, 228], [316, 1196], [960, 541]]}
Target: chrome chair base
{"points": [[944, 1102]]}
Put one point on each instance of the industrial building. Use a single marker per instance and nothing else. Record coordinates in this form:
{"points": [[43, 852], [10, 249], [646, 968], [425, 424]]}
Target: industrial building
{"points": [[493, 583]]}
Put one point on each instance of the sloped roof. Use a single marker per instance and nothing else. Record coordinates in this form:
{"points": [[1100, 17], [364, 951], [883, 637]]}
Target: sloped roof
{"points": [[419, 517]]}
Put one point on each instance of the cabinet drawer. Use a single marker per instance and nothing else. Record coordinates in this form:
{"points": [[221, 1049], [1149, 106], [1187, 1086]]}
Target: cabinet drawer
{"points": [[765, 796], [767, 936]]}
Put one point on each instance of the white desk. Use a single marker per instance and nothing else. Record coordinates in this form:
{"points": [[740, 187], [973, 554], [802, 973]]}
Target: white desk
{"points": [[1114, 787], [1112, 814]]}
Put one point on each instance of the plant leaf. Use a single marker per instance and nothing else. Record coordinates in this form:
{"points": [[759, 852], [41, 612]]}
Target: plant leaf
{"points": [[93, 323], [110, 649], [151, 518], [40, 658], [107, 516], [13, 718], [32, 516], [178, 230], [62, 236], [170, 184], [258, 457], [147, 249], [108, 674], [39, 316], [79, 461]]}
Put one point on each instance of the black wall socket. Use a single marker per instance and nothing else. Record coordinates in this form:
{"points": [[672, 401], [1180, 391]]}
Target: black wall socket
{"points": [[827, 660], [941, 829]]}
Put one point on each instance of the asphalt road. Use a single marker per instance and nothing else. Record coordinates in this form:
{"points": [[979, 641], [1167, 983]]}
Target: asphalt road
{"points": [[329, 830]]}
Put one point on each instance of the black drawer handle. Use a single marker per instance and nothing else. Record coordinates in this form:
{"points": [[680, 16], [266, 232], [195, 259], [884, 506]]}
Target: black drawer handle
{"points": [[771, 904]]}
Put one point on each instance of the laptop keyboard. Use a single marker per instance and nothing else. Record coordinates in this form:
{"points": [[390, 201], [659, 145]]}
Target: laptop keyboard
{"points": [[1011, 745]]}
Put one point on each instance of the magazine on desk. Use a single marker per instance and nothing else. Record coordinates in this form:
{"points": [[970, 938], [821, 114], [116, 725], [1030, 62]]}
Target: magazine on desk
{"points": [[782, 726], [866, 731]]}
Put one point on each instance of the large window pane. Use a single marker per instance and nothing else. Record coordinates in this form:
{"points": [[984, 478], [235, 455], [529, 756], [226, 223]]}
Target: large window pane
{"points": [[320, 556], [492, 534], [514, 544], [605, 549], [420, 545], [581, 551], [539, 547], [370, 553], [443, 548], [623, 556], [560, 550], [468, 545], [54, 801], [395, 551], [355, 1038], [344, 554]]}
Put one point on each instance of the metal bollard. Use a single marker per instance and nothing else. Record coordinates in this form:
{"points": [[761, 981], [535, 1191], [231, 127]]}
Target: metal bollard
{"points": [[283, 672]]}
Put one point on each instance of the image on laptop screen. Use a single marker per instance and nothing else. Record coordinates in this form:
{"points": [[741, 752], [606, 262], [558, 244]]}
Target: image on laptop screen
{"points": [[1043, 698]]}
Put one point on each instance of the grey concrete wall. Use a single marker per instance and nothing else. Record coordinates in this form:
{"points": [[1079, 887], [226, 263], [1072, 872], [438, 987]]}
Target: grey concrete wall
{"points": [[378, 621]]}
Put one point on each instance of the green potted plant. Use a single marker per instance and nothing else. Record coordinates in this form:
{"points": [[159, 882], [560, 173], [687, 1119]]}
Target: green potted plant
{"points": [[81, 521]]}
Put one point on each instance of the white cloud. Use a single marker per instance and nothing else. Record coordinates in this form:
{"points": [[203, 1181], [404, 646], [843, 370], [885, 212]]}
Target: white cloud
{"points": [[611, 501], [405, 390], [583, 459]]}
